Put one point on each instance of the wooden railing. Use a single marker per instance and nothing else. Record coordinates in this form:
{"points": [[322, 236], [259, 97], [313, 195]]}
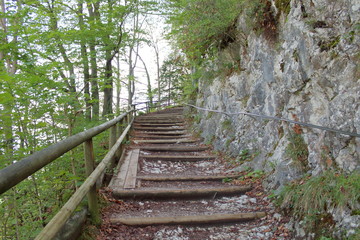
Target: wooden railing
{"points": [[17, 172]]}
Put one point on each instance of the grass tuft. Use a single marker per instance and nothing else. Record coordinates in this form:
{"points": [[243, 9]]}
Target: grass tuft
{"points": [[312, 199]]}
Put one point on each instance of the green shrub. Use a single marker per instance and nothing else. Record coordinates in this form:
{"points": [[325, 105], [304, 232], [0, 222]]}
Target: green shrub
{"points": [[226, 124], [310, 199], [297, 149], [201, 26]]}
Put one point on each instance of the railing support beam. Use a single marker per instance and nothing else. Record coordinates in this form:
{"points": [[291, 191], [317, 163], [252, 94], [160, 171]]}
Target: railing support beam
{"points": [[89, 168], [112, 141]]}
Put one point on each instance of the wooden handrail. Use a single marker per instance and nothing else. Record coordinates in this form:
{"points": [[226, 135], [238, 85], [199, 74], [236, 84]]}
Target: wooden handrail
{"points": [[15, 173], [65, 212]]}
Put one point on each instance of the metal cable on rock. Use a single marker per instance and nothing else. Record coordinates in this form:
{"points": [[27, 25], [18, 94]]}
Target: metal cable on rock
{"points": [[353, 134]]}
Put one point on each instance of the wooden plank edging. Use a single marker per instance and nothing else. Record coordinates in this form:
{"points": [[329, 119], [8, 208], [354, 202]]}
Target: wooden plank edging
{"points": [[189, 220], [180, 193], [186, 178]]}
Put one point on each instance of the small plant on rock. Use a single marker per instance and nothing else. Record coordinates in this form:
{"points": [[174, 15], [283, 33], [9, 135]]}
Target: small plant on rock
{"points": [[312, 198], [297, 149]]}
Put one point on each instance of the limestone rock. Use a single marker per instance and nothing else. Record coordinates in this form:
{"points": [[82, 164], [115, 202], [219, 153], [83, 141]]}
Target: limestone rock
{"points": [[310, 74]]}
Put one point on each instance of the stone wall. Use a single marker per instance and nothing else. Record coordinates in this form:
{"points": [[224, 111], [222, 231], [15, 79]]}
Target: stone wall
{"points": [[311, 74]]}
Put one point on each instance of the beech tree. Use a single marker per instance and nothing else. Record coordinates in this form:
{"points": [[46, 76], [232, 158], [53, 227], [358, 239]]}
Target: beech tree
{"points": [[55, 59]]}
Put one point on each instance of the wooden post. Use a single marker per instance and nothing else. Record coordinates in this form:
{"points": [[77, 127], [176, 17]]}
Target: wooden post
{"points": [[89, 168], [65, 212], [112, 141], [120, 128]]}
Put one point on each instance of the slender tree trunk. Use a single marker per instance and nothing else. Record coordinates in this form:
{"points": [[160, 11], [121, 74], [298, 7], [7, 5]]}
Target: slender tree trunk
{"points": [[131, 79], [118, 85], [85, 62], [108, 90], [93, 13], [169, 91], [149, 89], [10, 67], [109, 56], [158, 70], [132, 64], [39, 202]]}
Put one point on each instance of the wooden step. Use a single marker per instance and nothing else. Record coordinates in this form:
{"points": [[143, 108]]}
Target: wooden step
{"points": [[161, 118], [163, 115], [157, 121], [193, 193], [172, 133], [161, 129], [159, 137], [165, 141], [126, 177], [187, 178], [177, 158], [189, 220], [174, 148], [159, 124]]}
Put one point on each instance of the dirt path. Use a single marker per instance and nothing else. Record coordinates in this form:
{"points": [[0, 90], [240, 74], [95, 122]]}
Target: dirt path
{"points": [[170, 186]]}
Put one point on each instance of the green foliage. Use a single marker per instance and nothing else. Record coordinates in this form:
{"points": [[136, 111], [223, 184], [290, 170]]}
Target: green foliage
{"points": [[263, 17], [210, 139], [197, 118], [256, 174], [42, 96], [229, 141], [175, 81], [354, 236], [202, 26], [329, 44], [243, 155], [311, 198], [226, 124], [297, 149], [283, 6], [227, 180], [210, 115]]}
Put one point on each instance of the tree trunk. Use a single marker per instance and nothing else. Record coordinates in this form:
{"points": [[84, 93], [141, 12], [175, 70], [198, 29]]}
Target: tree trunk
{"points": [[158, 69], [118, 85], [109, 56], [85, 62], [131, 79], [93, 12], [108, 90], [10, 67], [149, 90]]}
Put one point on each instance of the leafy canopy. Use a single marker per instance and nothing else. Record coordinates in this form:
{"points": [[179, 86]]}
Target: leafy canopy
{"points": [[200, 27]]}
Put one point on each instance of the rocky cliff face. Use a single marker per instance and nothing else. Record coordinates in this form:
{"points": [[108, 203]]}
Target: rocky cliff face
{"points": [[311, 73]]}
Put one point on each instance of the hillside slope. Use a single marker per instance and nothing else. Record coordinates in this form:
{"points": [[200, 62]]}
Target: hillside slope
{"points": [[308, 72]]}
